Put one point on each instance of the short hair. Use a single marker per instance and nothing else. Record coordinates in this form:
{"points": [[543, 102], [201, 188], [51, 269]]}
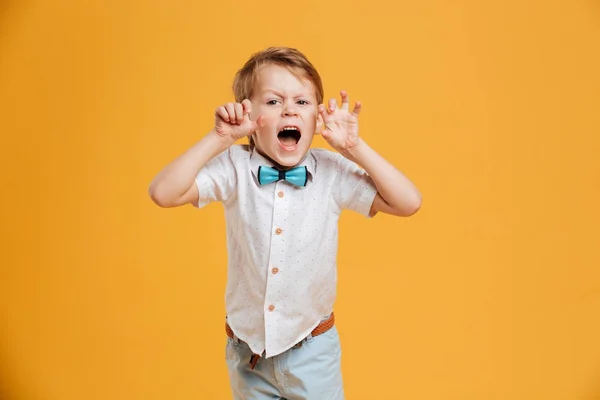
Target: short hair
{"points": [[292, 59]]}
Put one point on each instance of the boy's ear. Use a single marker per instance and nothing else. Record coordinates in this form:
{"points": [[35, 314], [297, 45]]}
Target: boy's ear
{"points": [[319, 127]]}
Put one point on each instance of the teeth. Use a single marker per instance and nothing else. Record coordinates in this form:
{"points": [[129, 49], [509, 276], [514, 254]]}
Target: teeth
{"points": [[290, 128]]}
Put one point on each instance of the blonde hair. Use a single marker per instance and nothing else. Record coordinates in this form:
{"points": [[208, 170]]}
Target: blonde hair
{"points": [[290, 58]]}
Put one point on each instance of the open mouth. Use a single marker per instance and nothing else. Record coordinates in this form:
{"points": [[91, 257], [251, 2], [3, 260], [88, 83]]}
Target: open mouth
{"points": [[289, 136]]}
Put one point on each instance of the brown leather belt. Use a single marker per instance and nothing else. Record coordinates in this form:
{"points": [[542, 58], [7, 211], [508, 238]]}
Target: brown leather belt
{"points": [[323, 327]]}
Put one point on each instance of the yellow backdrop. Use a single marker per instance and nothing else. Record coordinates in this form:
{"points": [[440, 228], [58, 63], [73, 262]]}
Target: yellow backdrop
{"points": [[492, 291]]}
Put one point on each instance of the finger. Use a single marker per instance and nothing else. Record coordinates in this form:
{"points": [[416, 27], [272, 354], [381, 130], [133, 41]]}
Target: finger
{"points": [[251, 127], [323, 113], [230, 113], [332, 105], [344, 95], [357, 108], [222, 113], [247, 106], [239, 113], [260, 121]]}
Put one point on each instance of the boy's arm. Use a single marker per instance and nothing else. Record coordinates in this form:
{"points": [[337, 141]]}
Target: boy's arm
{"points": [[396, 194], [175, 184]]}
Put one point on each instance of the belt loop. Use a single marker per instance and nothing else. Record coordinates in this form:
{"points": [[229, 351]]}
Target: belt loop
{"points": [[253, 360], [309, 338]]}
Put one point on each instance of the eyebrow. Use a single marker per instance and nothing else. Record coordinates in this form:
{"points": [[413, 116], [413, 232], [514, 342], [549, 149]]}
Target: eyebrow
{"points": [[275, 92]]}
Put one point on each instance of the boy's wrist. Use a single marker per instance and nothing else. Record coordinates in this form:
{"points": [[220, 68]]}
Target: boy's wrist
{"points": [[354, 153], [223, 142]]}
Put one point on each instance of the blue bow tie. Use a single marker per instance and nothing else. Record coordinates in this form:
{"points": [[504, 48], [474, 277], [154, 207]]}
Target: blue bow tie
{"points": [[297, 176]]}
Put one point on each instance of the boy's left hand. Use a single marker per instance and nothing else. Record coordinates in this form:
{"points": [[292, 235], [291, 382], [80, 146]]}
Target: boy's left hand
{"points": [[340, 128]]}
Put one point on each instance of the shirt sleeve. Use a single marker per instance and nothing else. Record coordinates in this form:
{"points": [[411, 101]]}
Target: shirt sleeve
{"points": [[217, 180], [355, 190]]}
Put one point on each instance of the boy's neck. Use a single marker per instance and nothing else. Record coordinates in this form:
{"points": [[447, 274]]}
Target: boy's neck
{"points": [[278, 166]]}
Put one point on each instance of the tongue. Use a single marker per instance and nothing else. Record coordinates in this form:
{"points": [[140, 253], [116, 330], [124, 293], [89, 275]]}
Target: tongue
{"points": [[287, 140]]}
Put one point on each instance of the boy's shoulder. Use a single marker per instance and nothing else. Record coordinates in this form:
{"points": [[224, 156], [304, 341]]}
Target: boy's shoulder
{"points": [[322, 153], [329, 159], [240, 151], [326, 156], [238, 155]]}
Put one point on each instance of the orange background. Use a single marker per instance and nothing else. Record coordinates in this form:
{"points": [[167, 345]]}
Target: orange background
{"points": [[492, 291]]}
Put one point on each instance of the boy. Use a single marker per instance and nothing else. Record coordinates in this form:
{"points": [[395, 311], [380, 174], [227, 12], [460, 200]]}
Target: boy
{"points": [[282, 202]]}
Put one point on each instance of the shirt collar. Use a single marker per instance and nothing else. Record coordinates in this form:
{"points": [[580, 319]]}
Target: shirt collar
{"points": [[257, 159]]}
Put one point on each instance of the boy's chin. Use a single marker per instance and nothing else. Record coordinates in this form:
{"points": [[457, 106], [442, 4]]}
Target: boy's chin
{"points": [[289, 160], [285, 160]]}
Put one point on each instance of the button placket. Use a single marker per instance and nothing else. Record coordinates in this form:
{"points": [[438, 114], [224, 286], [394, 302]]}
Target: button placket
{"points": [[280, 208], [276, 261]]}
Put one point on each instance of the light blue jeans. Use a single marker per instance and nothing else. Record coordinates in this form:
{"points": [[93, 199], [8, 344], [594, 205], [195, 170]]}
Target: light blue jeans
{"points": [[308, 372]]}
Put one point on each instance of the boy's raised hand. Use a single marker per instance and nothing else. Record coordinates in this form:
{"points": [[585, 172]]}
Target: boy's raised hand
{"points": [[340, 128], [232, 120]]}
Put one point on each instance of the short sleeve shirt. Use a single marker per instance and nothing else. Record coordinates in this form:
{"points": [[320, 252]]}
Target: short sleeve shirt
{"points": [[282, 241]]}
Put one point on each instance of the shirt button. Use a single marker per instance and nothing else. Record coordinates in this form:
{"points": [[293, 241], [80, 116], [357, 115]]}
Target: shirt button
{"points": [[275, 270], [278, 231], [280, 194], [271, 307]]}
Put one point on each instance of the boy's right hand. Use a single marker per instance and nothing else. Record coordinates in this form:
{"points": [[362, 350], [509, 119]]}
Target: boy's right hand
{"points": [[232, 120]]}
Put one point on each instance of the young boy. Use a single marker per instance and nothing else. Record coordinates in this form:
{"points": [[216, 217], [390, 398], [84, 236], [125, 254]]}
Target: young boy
{"points": [[282, 202]]}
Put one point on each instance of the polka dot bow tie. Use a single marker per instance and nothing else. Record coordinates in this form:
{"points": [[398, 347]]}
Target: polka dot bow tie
{"points": [[297, 176]]}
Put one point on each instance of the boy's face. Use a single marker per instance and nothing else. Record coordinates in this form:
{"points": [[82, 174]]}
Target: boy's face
{"points": [[289, 110]]}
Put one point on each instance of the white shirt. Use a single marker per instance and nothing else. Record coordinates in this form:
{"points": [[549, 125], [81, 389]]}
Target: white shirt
{"points": [[282, 241]]}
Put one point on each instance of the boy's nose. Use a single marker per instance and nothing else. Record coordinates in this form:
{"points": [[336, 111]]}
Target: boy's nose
{"points": [[289, 110]]}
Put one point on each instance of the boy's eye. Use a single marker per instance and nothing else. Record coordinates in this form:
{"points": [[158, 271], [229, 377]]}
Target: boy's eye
{"points": [[303, 102], [272, 102]]}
